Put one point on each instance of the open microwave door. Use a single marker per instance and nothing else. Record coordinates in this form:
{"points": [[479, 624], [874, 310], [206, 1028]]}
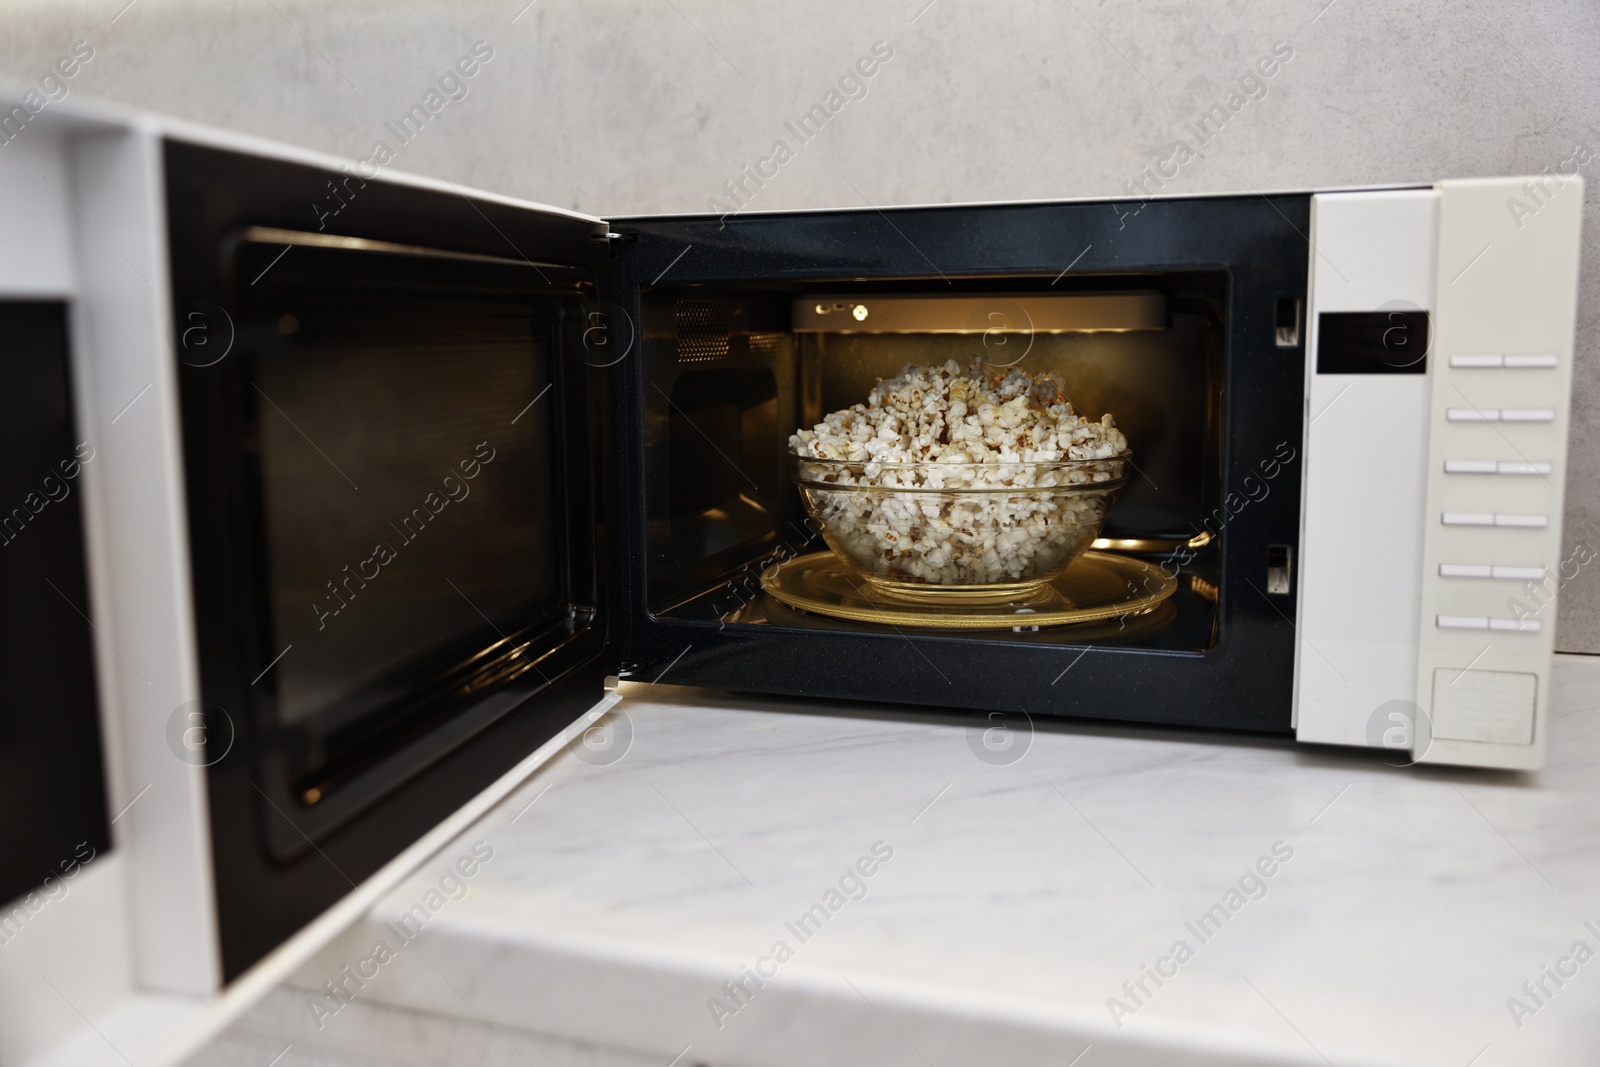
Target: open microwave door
{"points": [[396, 513]]}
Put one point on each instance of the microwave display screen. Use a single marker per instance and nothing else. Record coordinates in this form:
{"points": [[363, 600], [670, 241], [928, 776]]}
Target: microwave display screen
{"points": [[1372, 342], [407, 493]]}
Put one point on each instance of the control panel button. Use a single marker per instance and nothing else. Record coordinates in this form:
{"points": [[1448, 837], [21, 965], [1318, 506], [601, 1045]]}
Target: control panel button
{"points": [[1483, 622], [1532, 521], [1516, 626], [1489, 466], [1500, 414], [1465, 570], [1532, 359], [1520, 574], [1495, 707], [1486, 570], [1475, 361], [1468, 518]]}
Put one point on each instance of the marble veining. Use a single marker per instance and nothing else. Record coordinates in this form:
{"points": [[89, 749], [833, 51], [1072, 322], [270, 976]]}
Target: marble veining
{"points": [[1020, 904]]}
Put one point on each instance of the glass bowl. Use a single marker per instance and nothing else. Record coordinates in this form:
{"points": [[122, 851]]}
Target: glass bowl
{"points": [[976, 531]]}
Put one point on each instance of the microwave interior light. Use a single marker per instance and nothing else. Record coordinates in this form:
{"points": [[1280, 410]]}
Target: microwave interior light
{"points": [[981, 313]]}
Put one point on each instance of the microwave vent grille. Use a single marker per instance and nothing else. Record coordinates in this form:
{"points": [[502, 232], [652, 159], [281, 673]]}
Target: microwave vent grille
{"points": [[703, 330], [762, 343]]}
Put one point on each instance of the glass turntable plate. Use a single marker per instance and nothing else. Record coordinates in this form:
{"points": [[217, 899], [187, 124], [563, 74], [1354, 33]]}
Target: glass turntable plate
{"points": [[1100, 586]]}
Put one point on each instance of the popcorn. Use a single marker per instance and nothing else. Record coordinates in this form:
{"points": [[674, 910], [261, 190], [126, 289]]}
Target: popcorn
{"points": [[942, 415], [921, 495]]}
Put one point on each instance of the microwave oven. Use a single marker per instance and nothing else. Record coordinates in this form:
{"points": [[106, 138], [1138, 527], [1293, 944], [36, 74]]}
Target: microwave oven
{"points": [[391, 479]]}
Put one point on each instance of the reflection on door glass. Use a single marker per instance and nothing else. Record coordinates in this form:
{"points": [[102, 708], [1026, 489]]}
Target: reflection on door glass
{"points": [[405, 464]]}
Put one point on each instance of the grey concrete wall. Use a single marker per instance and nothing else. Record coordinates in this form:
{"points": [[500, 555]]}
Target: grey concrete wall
{"points": [[618, 106]]}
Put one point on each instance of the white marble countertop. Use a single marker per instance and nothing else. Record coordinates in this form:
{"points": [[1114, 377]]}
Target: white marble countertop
{"points": [[1018, 899]]}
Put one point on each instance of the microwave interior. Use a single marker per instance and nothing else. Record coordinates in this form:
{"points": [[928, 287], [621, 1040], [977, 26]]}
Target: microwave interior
{"points": [[729, 377]]}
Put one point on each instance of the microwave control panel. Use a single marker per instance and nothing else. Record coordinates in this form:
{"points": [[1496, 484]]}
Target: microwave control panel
{"points": [[1438, 377], [1493, 560]]}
